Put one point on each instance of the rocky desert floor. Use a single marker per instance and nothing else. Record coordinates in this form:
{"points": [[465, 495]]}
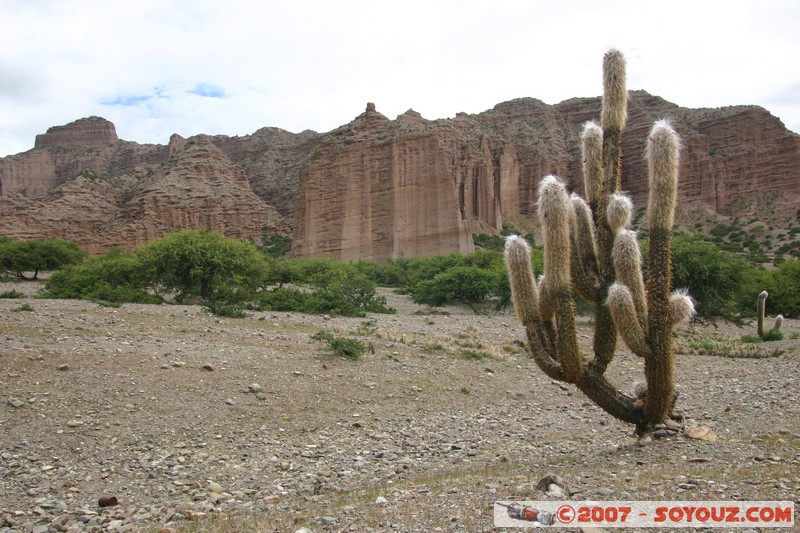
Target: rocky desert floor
{"points": [[176, 420]]}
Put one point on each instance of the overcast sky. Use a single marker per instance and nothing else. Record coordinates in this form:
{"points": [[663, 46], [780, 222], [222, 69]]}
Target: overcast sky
{"points": [[157, 67]]}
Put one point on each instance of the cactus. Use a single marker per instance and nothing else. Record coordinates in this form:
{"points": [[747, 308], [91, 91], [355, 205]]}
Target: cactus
{"points": [[761, 308], [589, 250]]}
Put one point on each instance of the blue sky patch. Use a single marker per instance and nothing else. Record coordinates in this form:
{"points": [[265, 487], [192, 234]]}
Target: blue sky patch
{"points": [[126, 100], [209, 91]]}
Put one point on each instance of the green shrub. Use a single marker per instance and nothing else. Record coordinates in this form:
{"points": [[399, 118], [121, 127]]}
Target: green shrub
{"points": [[23, 307], [772, 335], [205, 264], [719, 281], [116, 277], [11, 294], [342, 346], [464, 284], [783, 285], [37, 255], [284, 299], [324, 286], [477, 355]]}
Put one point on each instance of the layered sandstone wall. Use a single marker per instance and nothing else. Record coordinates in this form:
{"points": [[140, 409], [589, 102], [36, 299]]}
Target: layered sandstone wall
{"points": [[377, 188], [371, 193]]}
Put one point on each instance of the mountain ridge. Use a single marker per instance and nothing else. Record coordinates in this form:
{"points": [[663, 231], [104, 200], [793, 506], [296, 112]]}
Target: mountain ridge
{"points": [[378, 188]]}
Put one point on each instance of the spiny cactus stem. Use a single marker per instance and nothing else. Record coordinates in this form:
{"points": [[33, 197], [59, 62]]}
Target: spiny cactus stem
{"points": [[660, 367], [605, 338], [583, 261], [567, 335], [595, 386], [540, 349]]}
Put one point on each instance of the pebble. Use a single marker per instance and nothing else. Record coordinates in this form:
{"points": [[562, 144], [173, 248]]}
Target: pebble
{"points": [[16, 403], [255, 388]]}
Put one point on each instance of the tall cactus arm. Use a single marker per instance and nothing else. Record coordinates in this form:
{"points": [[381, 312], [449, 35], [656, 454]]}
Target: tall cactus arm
{"points": [[628, 267], [554, 214], [662, 161], [525, 296], [623, 310], [583, 263], [592, 156]]}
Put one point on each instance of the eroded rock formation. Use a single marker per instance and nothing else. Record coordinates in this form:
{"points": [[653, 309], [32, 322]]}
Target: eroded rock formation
{"points": [[377, 188], [372, 192]]}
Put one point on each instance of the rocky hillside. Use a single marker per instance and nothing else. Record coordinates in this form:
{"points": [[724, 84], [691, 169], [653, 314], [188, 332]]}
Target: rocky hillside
{"points": [[378, 188]]}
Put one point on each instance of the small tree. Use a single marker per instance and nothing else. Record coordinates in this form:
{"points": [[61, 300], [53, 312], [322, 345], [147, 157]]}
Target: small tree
{"points": [[589, 250], [467, 285], [201, 263], [38, 255]]}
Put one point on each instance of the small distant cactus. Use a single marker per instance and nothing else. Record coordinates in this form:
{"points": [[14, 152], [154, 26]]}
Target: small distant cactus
{"points": [[761, 309], [589, 250]]}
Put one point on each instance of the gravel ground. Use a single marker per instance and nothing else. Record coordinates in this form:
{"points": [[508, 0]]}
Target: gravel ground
{"points": [[176, 420]]}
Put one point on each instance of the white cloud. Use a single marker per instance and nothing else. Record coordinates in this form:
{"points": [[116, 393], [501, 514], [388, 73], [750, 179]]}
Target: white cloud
{"points": [[161, 67]]}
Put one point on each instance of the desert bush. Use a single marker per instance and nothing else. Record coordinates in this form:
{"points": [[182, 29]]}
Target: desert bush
{"points": [[115, 277], [11, 294], [205, 264], [783, 285], [467, 285], [342, 346], [37, 255], [324, 286], [721, 281]]}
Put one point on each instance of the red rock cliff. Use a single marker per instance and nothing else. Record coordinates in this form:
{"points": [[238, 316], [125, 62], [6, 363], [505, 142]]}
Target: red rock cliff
{"points": [[374, 193]]}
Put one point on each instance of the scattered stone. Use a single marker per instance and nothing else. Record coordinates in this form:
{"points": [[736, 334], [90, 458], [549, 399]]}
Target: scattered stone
{"points": [[701, 433], [380, 500], [63, 367], [108, 501], [15, 402], [208, 367], [229, 401], [551, 479], [328, 520], [255, 388]]}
